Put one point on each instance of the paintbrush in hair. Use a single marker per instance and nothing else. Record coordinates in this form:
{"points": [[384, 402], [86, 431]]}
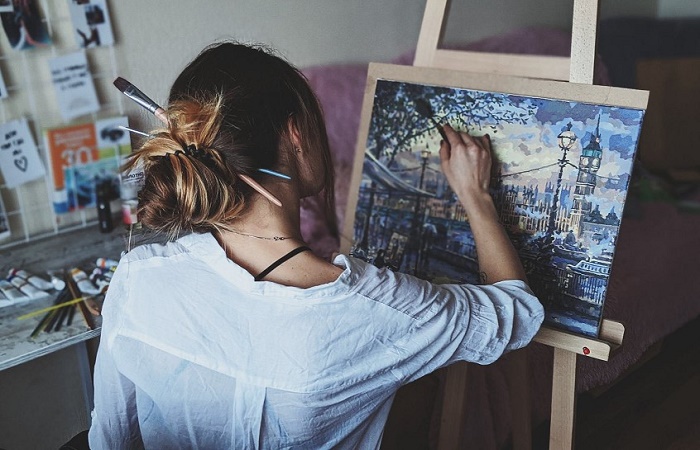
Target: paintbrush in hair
{"points": [[142, 99], [139, 97]]}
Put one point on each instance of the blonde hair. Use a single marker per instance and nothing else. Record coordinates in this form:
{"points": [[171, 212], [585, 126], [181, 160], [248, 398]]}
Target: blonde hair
{"points": [[189, 184], [234, 104]]}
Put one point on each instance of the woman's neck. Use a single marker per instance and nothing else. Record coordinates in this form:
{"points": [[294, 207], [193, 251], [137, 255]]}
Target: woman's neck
{"points": [[264, 219]]}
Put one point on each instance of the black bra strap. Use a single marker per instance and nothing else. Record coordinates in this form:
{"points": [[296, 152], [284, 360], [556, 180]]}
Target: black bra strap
{"points": [[284, 258]]}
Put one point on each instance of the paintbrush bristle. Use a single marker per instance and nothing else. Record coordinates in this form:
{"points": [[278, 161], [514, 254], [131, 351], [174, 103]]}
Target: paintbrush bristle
{"points": [[424, 108], [121, 84]]}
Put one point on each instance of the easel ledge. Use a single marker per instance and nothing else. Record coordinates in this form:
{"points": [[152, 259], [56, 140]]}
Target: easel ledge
{"points": [[611, 335]]}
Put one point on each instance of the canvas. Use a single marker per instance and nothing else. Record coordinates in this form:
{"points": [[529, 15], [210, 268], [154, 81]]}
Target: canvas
{"points": [[563, 157]]}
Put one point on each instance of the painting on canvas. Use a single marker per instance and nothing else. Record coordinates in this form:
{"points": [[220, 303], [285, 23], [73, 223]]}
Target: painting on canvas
{"points": [[563, 157]]}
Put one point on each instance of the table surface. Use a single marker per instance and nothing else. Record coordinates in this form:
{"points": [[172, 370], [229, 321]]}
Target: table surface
{"points": [[78, 248], [16, 345]]}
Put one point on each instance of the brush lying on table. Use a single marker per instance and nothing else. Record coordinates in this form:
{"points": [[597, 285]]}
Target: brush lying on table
{"points": [[63, 310]]}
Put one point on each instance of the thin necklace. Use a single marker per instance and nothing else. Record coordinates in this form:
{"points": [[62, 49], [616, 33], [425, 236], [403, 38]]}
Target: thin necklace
{"points": [[271, 238]]}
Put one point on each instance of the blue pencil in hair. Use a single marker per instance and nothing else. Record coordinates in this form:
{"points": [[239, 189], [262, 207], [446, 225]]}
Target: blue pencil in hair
{"points": [[275, 174]]}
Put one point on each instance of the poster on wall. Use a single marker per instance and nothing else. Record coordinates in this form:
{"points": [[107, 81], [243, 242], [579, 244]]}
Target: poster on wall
{"points": [[19, 156], [563, 157], [83, 156], [23, 24], [72, 82], [91, 23]]}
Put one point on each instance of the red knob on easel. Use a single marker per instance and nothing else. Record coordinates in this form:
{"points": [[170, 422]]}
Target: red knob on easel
{"points": [[586, 350]]}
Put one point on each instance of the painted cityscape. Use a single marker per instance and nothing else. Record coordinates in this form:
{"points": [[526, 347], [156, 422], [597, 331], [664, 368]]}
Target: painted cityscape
{"points": [[560, 179]]}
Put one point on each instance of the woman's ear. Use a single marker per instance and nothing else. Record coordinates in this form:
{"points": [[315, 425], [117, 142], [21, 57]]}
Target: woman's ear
{"points": [[294, 135]]}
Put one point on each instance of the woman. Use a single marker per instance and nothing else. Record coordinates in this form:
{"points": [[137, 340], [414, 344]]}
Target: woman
{"points": [[206, 343]]}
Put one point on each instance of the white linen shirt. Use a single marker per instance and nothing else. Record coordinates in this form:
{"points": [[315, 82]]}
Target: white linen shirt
{"points": [[196, 354]]}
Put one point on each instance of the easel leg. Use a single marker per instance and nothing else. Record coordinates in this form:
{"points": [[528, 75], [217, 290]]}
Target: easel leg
{"points": [[561, 433], [453, 401]]}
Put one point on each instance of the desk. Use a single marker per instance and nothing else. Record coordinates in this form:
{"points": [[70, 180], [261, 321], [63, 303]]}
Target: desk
{"points": [[16, 347], [46, 382], [56, 390]]}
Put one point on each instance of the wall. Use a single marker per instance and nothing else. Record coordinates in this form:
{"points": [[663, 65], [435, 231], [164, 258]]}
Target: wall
{"points": [[157, 38]]}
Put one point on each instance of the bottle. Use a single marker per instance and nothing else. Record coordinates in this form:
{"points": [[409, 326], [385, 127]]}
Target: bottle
{"points": [[104, 210]]}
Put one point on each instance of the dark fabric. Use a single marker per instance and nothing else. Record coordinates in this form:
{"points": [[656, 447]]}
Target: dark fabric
{"points": [[78, 442], [624, 41]]}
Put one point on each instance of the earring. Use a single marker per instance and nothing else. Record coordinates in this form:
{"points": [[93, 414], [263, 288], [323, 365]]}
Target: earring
{"points": [[297, 149]]}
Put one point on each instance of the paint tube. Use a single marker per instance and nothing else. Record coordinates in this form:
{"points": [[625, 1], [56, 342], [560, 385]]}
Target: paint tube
{"points": [[106, 263], [34, 280], [57, 280], [27, 289], [11, 292], [84, 284]]}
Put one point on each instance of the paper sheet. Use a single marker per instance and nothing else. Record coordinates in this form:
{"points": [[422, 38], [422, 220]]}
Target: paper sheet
{"points": [[91, 23], [83, 154], [73, 84], [19, 157]]}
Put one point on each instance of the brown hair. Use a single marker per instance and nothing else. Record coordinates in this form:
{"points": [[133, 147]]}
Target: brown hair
{"points": [[229, 114]]}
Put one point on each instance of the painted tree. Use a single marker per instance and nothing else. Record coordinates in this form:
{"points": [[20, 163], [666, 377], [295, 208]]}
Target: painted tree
{"points": [[398, 124]]}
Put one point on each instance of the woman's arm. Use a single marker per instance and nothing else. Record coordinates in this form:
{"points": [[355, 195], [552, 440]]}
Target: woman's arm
{"points": [[466, 163]]}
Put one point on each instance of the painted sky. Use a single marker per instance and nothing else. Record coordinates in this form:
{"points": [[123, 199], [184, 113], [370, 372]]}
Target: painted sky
{"points": [[533, 146]]}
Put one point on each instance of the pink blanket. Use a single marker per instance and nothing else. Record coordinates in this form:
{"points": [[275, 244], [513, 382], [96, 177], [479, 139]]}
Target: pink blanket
{"points": [[652, 290]]}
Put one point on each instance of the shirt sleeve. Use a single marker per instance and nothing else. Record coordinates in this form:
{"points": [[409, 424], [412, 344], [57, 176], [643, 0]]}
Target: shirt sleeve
{"points": [[449, 323], [114, 418]]}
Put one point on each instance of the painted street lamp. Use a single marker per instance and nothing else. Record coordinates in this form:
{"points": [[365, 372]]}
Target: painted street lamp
{"points": [[425, 157], [566, 140]]}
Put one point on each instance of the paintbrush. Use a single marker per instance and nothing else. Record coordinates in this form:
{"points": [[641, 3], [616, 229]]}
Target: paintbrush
{"points": [[73, 288], [51, 308], [49, 315], [425, 110], [142, 99], [139, 97]]}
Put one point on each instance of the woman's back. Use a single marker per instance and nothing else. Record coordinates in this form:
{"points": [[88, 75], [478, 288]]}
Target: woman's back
{"points": [[205, 357]]}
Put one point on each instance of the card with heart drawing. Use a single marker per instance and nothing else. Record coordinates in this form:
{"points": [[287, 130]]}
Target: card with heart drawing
{"points": [[19, 157]]}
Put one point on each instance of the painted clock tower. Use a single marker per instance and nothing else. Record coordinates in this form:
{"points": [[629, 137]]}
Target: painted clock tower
{"points": [[588, 164]]}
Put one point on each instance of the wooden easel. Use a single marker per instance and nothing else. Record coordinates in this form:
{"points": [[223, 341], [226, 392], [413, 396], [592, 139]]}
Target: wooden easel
{"points": [[577, 69]]}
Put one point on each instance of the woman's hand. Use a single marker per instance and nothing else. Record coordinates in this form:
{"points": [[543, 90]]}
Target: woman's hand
{"points": [[466, 163]]}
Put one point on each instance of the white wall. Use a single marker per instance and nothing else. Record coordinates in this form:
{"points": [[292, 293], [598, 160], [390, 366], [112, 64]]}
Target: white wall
{"points": [[158, 37]]}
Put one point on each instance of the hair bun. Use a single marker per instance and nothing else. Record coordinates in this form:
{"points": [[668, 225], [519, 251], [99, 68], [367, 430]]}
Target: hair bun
{"points": [[188, 185]]}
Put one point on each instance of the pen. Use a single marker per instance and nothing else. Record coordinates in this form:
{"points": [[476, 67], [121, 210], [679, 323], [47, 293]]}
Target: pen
{"points": [[275, 174]]}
